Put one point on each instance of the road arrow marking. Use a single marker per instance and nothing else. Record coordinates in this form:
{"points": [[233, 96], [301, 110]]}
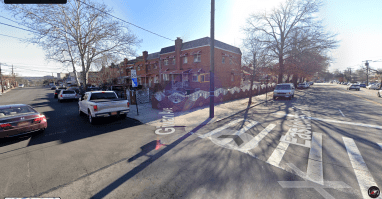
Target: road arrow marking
{"points": [[221, 128]]}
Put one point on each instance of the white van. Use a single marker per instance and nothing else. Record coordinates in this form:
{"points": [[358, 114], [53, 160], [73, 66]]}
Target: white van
{"points": [[284, 90]]}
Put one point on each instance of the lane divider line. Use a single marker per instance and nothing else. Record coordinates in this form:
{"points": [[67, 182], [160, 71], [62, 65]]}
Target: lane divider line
{"points": [[278, 153], [341, 112]]}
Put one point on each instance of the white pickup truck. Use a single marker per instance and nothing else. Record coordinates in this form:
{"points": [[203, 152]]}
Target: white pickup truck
{"points": [[96, 104]]}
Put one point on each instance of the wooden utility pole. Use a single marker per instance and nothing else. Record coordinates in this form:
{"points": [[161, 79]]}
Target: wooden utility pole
{"points": [[212, 48]]}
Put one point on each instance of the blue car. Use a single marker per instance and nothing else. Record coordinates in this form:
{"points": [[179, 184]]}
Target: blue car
{"points": [[362, 85]]}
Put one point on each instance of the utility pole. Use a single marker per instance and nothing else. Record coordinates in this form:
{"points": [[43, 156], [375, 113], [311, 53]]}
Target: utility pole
{"points": [[367, 72], [212, 47]]}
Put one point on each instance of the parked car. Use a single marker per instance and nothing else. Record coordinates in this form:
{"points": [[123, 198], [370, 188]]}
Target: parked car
{"points": [[373, 86], [284, 90], [119, 90], [98, 104], [75, 89], [19, 119], [57, 91], [67, 95], [53, 88], [302, 85], [379, 93], [354, 86], [311, 83], [362, 85]]}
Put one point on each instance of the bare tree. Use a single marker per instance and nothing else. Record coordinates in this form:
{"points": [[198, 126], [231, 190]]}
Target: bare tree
{"points": [[277, 27], [77, 33]]}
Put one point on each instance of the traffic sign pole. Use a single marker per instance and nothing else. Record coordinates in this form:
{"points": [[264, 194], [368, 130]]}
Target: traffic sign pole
{"points": [[134, 83]]}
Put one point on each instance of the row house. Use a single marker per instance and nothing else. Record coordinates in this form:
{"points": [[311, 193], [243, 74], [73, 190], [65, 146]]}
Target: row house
{"points": [[187, 65]]}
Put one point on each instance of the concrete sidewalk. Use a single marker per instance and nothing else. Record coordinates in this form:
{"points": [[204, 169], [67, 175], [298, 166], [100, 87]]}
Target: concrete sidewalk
{"points": [[188, 120]]}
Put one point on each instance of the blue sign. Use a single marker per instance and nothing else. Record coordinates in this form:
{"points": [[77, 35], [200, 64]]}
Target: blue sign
{"points": [[134, 81]]}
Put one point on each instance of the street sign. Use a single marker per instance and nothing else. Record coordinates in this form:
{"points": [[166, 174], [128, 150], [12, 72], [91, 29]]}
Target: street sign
{"points": [[134, 81]]}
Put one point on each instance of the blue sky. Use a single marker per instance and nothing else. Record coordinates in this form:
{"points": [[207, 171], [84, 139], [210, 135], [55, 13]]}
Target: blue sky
{"points": [[357, 24]]}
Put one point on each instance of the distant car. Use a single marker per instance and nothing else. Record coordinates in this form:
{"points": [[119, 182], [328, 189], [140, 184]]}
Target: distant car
{"points": [[19, 119], [284, 90], [311, 83], [77, 90], [21, 85], [354, 86], [362, 85], [373, 86], [53, 88], [67, 95], [57, 91], [302, 85]]}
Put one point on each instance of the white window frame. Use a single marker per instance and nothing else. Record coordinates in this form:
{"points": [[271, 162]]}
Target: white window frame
{"points": [[197, 58], [185, 60], [230, 61], [166, 62], [155, 66], [223, 60], [232, 77], [173, 61]]}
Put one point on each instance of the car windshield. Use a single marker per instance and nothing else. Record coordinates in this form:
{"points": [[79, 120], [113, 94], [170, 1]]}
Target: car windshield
{"points": [[117, 88], [282, 87], [95, 96], [68, 92], [13, 111]]}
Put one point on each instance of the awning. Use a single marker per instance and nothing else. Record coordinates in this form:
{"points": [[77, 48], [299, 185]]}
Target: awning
{"points": [[167, 72], [172, 57], [183, 55], [187, 71], [177, 72], [197, 52]]}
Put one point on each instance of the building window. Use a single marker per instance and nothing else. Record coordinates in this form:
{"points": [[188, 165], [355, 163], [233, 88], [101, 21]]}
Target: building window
{"points": [[204, 77], [232, 78], [148, 67], [139, 68], [166, 62], [173, 61], [165, 77], [197, 58], [156, 79], [155, 66], [223, 60], [195, 78], [230, 60], [184, 60]]}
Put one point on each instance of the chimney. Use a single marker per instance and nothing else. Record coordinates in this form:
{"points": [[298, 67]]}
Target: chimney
{"points": [[178, 48], [145, 54]]}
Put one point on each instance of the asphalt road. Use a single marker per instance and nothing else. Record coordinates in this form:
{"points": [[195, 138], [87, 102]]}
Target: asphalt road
{"points": [[335, 152]]}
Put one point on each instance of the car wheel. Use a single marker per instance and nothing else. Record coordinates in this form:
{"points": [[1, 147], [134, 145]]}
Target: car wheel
{"points": [[379, 95], [91, 118], [123, 116]]}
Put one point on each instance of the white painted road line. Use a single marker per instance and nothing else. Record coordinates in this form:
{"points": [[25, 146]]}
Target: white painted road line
{"points": [[341, 112], [278, 153], [241, 131], [315, 171], [380, 145], [364, 177], [221, 128], [333, 121], [255, 141]]}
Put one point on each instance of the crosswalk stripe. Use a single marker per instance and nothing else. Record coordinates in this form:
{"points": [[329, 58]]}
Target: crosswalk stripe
{"points": [[315, 170], [278, 153], [380, 145], [221, 128], [241, 131], [364, 177], [255, 141]]}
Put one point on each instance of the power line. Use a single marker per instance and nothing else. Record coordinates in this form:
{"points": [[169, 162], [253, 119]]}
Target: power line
{"points": [[19, 28], [126, 21], [11, 36]]}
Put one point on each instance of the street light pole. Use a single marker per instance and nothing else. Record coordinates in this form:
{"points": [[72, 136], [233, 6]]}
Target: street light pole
{"points": [[212, 47], [1, 79]]}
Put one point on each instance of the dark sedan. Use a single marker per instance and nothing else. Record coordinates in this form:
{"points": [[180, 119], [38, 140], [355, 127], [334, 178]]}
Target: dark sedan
{"points": [[362, 85], [19, 119]]}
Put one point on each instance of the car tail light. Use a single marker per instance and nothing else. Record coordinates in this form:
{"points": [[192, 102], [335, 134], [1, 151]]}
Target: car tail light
{"points": [[5, 125], [40, 118], [61, 95], [128, 104], [55, 93], [95, 108]]}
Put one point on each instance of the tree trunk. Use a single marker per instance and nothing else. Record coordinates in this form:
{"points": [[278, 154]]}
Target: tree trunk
{"points": [[281, 68], [294, 80]]}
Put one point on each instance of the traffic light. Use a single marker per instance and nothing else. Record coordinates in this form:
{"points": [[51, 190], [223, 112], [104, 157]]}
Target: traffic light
{"points": [[366, 64]]}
